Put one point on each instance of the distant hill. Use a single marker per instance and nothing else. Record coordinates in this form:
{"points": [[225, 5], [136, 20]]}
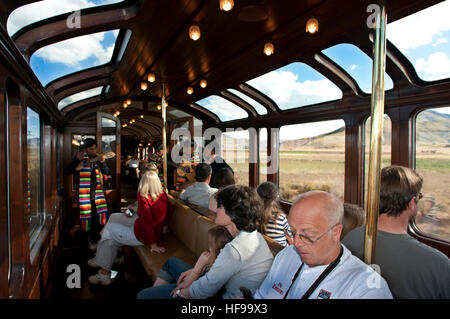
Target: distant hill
{"points": [[432, 128]]}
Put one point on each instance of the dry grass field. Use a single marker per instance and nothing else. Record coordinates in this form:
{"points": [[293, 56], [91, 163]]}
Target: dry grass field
{"points": [[323, 168]]}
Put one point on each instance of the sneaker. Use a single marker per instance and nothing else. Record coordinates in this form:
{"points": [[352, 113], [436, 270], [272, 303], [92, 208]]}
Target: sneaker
{"points": [[92, 246], [91, 263], [105, 280]]}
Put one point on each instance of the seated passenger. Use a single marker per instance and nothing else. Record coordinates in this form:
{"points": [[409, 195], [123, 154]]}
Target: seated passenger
{"points": [[276, 220], [200, 191], [153, 214], [411, 268], [317, 265], [176, 274], [224, 178], [242, 262], [354, 216]]}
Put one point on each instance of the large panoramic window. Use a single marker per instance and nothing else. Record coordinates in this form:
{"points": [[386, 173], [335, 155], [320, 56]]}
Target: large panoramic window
{"points": [[79, 96], [357, 64], [424, 38], [41, 10], [235, 151], [261, 110], [72, 55], [224, 109], [312, 157], [34, 199], [296, 85], [433, 163]]}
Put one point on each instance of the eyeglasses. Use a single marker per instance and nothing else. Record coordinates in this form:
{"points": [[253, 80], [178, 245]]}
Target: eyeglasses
{"points": [[305, 239]]}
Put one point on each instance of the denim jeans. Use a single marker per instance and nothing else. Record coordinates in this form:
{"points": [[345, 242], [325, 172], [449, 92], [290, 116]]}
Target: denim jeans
{"points": [[171, 271]]}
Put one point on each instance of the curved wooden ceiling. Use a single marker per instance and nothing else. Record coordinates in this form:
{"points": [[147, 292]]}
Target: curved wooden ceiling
{"points": [[228, 54]]}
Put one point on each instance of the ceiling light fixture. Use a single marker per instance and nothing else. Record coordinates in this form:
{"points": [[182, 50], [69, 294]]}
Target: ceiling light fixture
{"points": [[144, 86], [128, 101], [158, 106], [269, 49], [226, 5], [190, 90], [312, 26], [203, 83], [125, 104], [142, 116], [194, 32], [151, 77]]}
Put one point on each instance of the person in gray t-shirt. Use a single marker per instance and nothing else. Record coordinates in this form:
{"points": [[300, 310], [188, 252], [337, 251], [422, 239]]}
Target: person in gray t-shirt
{"points": [[411, 269]]}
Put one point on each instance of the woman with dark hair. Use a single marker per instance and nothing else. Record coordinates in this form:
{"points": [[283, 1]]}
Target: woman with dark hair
{"points": [[224, 177], [244, 261], [276, 221]]}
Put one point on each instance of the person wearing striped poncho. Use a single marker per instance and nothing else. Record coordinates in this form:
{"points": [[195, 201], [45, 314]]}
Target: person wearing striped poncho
{"points": [[88, 168]]}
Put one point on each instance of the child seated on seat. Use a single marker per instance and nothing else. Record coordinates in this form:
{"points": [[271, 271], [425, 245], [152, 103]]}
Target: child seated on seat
{"points": [[176, 270]]}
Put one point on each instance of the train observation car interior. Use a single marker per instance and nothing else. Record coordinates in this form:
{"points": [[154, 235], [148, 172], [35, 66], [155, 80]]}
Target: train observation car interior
{"points": [[297, 91]]}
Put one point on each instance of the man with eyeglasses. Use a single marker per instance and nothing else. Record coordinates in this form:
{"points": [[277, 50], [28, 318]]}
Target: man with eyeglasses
{"points": [[316, 265], [412, 269]]}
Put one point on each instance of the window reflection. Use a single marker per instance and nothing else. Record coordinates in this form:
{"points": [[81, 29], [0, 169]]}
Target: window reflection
{"points": [[109, 150], [433, 164], [34, 208]]}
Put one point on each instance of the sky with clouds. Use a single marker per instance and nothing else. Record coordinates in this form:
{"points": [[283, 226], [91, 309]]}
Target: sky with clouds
{"points": [[79, 96], [40, 10], [424, 38], [69, 56]]}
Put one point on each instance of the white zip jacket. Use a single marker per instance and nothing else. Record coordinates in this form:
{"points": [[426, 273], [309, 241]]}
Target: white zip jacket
{"points": [[351, 279]]}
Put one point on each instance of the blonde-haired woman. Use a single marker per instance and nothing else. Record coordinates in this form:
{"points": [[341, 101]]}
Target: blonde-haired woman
{"points": [[153, 214]]}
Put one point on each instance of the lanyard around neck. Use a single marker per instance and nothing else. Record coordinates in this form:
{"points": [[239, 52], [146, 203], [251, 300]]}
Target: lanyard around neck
{"points": [[316, 283]]}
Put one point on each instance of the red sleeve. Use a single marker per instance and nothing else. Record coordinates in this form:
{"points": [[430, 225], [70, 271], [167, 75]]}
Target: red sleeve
{"points": [[146, 219]]}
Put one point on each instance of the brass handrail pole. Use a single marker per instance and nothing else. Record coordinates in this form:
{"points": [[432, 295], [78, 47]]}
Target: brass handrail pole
{"points": [[377, 112], [164, 138]]}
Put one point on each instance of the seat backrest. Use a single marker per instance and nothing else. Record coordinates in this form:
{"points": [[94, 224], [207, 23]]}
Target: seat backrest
{"points": [[204, 225], [274, 246], [184, 224]]}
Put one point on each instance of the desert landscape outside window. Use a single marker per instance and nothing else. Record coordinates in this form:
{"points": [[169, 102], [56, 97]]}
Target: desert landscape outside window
{"points": [[312, 157], [433, 163]]}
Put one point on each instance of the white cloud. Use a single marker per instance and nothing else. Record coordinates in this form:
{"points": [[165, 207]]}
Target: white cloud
{"points": [[73, 51], [353, 67], [440, 41], [105, 56], [79, 96], [437, 65], [420, 28], [224, 109], [40, 10], [297, 131], [283, 88]]}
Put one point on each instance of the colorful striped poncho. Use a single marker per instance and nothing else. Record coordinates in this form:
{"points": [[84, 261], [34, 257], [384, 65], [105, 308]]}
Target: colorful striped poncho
{"points": [[85, 197]]}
